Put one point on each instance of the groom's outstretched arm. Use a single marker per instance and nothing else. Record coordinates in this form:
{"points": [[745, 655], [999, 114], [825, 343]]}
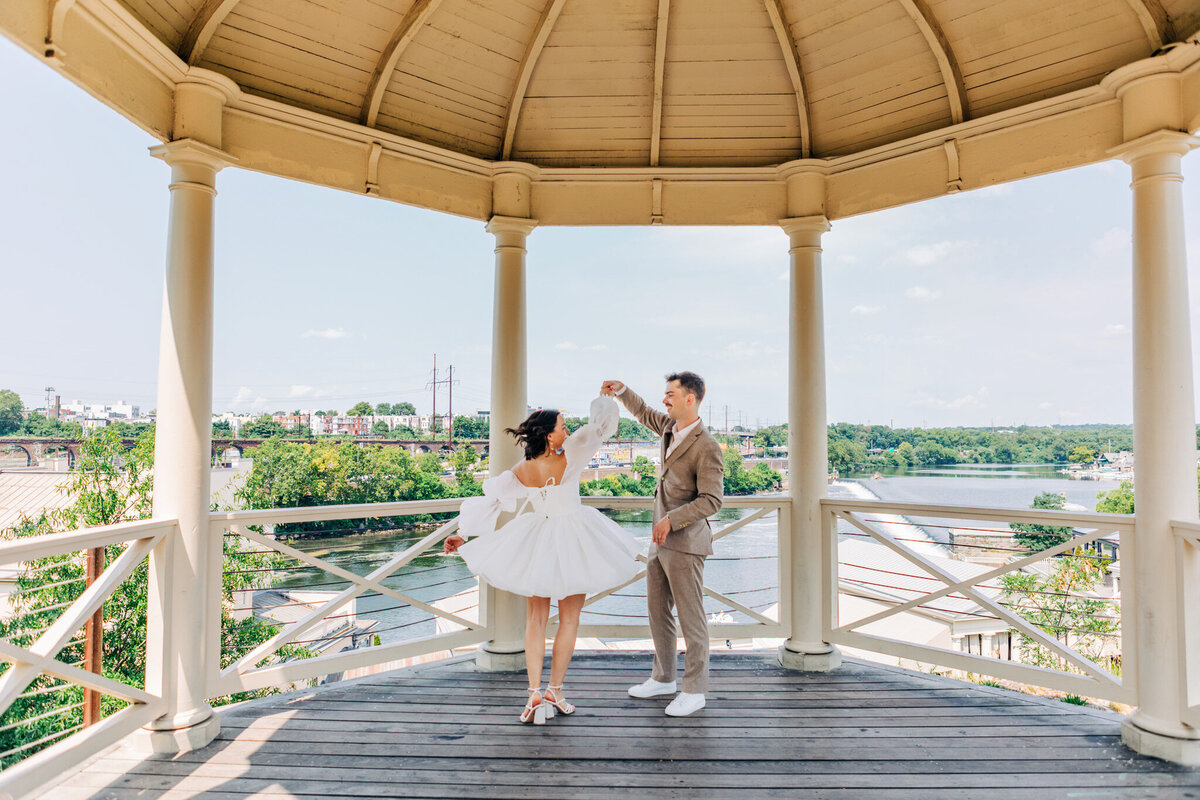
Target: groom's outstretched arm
{"points": [[656, 421]]}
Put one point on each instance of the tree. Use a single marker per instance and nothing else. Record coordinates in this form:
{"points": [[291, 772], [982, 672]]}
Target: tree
{"points": [[905, 454], [470, 428], [1116, 501], [1042, 537], [631, 429], [363, 409], [404, 409], [263, 428], [383, 409], [380, 428], [11, 409], [1082, 455], [463, 461], [430, 463], [222, 429], [1061, 606]]}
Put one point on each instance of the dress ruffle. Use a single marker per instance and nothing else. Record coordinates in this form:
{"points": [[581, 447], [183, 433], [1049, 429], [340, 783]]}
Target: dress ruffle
{"points": [[557, 556]]}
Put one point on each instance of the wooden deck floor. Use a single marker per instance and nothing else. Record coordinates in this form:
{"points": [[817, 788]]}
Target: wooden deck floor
{"points": [[444, 730]]}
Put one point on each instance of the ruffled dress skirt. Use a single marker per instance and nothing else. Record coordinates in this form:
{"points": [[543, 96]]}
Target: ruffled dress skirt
{"points": [[534, 555]]}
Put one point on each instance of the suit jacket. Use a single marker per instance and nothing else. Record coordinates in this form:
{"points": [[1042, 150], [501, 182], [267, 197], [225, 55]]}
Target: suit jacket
{"points": [[691, 481]]}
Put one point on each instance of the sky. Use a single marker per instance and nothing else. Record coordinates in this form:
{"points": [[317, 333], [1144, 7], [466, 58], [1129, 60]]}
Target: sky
{"points": [[1001, 306]]}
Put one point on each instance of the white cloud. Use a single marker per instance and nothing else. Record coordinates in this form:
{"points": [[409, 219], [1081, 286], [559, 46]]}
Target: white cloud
{"points": [[244, 395], [566, 346], [300, 390], [973, 400], [924, 255], [999, 190], [921, 294], [1114, 240], [861, 309], [1114, 330], [327, 333]]}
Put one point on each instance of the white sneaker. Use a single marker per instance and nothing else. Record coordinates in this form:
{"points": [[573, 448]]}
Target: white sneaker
{"points": [[652, 688], [685, 704]]}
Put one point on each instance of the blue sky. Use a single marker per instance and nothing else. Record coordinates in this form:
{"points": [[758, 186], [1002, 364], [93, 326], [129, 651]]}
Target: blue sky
{"points": [[1006, 305]]}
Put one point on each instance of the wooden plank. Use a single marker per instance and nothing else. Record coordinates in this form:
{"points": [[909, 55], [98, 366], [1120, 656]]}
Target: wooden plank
{"points": [[373, 783]]}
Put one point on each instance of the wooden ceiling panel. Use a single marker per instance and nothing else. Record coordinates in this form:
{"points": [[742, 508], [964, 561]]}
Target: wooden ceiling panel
{"points": [[720, 56], [588, 101], [1184, 16], [452, 85], [168, 20], [321, 60], [870, 76], [1027, 50]]}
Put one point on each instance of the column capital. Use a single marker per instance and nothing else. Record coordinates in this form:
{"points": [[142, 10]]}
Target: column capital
{"points": [[193, 153], [499, 225], [805, 231], [1158, 143]]}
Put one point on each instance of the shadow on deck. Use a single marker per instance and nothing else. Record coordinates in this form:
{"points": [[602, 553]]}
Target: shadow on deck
{"points": [[446, 730]]}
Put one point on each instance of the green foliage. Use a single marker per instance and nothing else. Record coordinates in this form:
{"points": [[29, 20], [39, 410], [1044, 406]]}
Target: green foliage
{"points": [[739, 480], [262, 428], [1060, 605], [363, 409], [1074, 700], [1116, 501], [1082, 455], [11, 412], [429, 463], [38, 425], [380, 428], [639, 484], [464, 462], [1042, 537], [470, 428]]}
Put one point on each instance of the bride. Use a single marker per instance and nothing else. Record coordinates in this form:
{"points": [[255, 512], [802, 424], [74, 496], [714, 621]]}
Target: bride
{"points": [[561, 550]]}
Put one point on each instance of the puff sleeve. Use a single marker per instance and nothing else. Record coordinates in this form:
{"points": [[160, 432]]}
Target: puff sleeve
{"points": [[603, 417], [478, 515]]}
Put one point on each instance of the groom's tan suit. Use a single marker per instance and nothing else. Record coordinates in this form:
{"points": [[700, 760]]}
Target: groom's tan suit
{"points": [[691, 483]]}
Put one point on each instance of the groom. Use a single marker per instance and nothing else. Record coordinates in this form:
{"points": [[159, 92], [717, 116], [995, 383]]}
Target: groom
{"points": [[691, 482]]}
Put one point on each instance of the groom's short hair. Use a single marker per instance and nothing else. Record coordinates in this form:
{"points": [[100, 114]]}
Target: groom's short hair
{"points": [[690, 382]]}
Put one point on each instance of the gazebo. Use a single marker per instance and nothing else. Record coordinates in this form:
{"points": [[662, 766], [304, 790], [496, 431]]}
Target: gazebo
{"points": [[527, 113]]}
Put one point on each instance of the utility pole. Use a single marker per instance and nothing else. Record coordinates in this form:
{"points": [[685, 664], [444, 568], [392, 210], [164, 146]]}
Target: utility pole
{"points": [[726, 419], [450, 414], [434, 383]]}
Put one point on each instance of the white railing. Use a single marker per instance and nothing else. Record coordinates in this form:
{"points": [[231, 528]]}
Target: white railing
{"points": [[27, 664], [887, 524], [761, 624], [248, 672], [1187, 559]]}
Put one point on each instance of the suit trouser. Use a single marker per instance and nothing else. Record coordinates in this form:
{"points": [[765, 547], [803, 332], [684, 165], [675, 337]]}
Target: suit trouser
{"points": [[677, 579]]}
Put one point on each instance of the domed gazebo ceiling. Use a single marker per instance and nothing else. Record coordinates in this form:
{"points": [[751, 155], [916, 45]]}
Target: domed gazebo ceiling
{"points": [[634, 111], [648, 82]]}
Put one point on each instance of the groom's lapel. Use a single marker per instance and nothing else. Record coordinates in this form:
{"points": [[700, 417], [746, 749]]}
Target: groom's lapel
{"points": [[683, 445]]}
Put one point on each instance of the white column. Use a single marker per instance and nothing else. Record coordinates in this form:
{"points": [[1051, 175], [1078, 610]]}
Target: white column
{"points": [[808, 459], [504, 612], [1164, 429], [184, 598]]}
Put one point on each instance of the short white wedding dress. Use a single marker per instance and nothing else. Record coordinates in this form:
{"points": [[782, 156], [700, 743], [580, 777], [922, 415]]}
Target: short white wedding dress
{"points": [[561, 547]]}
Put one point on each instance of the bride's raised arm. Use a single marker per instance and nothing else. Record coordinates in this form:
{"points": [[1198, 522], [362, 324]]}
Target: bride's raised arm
{"points": [[603, 417]]}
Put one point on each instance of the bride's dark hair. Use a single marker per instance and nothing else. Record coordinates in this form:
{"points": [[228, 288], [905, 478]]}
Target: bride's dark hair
{"points": [[534, 432]]}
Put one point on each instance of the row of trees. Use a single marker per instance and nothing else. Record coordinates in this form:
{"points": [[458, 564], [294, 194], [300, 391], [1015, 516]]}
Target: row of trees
{"points": [[738, 480]]}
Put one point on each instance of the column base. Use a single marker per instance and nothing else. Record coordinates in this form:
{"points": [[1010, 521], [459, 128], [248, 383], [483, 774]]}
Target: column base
{"points": [[1158, 745], [174, 742], [493, 661], [814, 658]]}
